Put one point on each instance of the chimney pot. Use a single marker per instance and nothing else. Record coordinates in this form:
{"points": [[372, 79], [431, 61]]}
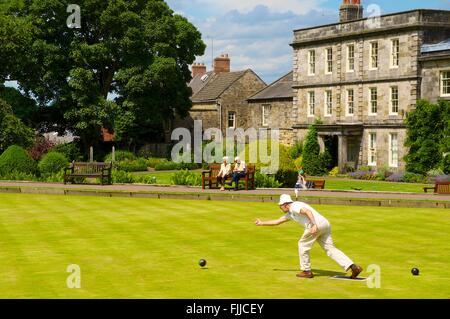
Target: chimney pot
{"points": [[222, 64], [351, 10], [198, 69]]}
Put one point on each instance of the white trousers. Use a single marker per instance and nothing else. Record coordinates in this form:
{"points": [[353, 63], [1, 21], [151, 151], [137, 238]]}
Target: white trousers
{"points": [[323, 237]]}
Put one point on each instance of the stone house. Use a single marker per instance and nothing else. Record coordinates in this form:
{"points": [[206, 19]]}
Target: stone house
{"points": [[271, 108], [220, 96], [361, 77]]}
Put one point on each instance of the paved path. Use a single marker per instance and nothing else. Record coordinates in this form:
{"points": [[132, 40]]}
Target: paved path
{"points": [[185, 189]]}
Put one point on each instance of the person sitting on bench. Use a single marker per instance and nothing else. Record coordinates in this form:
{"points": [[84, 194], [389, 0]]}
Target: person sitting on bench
{"points": [[239, 171], [225, 172]]}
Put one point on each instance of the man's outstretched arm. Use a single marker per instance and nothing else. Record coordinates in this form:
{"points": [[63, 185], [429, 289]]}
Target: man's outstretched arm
{"points": [[276, 222]]}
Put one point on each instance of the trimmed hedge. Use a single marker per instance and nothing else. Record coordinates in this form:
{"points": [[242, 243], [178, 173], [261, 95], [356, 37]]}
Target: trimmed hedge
{"points": [[120, 156], [16, 160], [137, 165], [52, 163]]}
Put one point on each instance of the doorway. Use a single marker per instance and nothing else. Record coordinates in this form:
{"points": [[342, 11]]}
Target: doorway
{"points": [[332, 146]]}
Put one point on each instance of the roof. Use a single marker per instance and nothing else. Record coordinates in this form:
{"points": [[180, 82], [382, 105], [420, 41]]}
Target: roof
{"points": [[280, 89], [214, 86], [442, 46], [198, 82]]}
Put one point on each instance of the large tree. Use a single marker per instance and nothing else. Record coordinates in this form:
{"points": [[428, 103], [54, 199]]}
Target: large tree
{"points": [[12, 130], [428, 137], [139, 50]]}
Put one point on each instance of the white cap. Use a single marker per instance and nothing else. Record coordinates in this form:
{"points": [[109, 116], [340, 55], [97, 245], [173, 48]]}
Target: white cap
{"points": [[285, 199], [237, 158], [225, 158]]}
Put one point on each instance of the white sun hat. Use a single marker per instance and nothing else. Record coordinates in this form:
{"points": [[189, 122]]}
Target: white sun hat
{"points": [[285, 199], [225, 158], [237, 158]]}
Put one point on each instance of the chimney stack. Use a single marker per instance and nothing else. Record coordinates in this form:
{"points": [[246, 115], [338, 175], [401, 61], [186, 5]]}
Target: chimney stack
{"points": [[222, 64], [198, 69], [351, 10]]}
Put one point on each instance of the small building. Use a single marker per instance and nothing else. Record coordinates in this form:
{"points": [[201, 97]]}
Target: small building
{"points": [[271, 108], [220, 96]]}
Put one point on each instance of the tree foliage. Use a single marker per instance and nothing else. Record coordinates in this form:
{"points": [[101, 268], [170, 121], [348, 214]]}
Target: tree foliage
{"points": [[12, 129], [428, 137], [139, 50]]}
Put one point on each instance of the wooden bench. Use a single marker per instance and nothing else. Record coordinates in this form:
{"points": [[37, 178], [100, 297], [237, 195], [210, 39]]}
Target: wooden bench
{"points": [[92, 170], [439, 188], [318, 184], [209, 177]]}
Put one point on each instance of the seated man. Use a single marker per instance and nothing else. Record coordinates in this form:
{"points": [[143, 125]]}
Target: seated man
{"points": [[239, 171], [225, 172]]}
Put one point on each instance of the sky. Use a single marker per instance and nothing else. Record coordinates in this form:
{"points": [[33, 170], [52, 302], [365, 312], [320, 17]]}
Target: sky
{"points": [[256, 33]]}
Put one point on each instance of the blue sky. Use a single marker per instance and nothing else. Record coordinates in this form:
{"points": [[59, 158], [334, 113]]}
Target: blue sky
{"points": [[256, 33]]}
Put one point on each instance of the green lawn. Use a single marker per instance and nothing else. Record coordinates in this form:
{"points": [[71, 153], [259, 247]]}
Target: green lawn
{"points": [[164, 178], [148, 248]]}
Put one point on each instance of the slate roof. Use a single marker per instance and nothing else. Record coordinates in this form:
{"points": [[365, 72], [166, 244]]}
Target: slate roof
{"points": [[280, 89], [442, 46], [213, 87]]}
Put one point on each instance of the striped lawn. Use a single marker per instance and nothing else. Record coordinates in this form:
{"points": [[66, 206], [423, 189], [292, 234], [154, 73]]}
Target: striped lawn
{"points": [[146, 248]]}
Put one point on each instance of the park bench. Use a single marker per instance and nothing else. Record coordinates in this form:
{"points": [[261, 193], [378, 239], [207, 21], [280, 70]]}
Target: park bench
{"points": [[439, 188], [209, 177], [92, 170], [317, 184]]}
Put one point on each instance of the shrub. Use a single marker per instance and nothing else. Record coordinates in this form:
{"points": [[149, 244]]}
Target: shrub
{"points": [[153, 161], [41, 146], [70, 150], [287, 177], [52, 163], [185, 177], [397, 177], [18, 176], [414, 178], [144, 179], [137, 165], [266, 181], [167, 166], [16, 160], [296, 150], [120, 155], [55, 178], [121, 177], [298, 162], [446, 164], [435, 172], [334, 171]]}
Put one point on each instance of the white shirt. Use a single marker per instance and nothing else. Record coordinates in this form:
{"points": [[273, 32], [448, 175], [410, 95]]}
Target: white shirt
{"points": [[294, 214], [225, 169], [240, 167]]}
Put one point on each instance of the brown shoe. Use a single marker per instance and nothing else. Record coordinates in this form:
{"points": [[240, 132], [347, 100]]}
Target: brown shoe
{"points": [[356, 270], [305, 274]]}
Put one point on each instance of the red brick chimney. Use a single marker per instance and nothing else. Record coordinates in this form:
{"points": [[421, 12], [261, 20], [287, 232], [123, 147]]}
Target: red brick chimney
{"points": [[351, 10], [222, 64], [198, 69]]}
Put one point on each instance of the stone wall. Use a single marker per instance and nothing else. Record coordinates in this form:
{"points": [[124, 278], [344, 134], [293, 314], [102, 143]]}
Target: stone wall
{"points": [[234, 99], [431, 79]]}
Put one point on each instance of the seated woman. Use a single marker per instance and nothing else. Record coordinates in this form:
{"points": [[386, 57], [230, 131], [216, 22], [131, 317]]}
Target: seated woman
{"points": [[225, 172], [301, 181]]}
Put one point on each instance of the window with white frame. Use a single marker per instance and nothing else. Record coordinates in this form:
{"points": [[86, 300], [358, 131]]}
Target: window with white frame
{"points": [[374, 55], [393, 150], [312, 62], [350, 102], [445, 83], [351, 58], [394, 100], [311, 103], [231, 120], [395, 53], [328, 103], [372, 161], [329, 60], [265, 114], [373, 101]]}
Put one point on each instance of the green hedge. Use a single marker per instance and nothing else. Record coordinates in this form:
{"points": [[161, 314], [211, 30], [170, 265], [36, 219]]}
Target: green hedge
{"points": [[16, 160], [287, 177], [185, 177], [266, 181], [120, 155], [137, 165], [70, 151], [52, 163]]}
